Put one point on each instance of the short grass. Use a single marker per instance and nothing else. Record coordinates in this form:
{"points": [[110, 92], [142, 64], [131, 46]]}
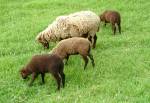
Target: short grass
{"points": [[122, 72]]}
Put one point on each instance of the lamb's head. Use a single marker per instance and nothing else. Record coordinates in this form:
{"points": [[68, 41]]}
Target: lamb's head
{"points": [[24, 73], [43, 41], [102, 17]]}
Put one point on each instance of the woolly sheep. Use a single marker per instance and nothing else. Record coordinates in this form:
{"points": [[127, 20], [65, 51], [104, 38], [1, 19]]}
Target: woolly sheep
{"points": [[72, 46], [112, 17], [80, 24]]}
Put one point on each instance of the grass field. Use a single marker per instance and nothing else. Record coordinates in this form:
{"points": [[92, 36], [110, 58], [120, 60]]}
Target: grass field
{"points": [[122, 72]]}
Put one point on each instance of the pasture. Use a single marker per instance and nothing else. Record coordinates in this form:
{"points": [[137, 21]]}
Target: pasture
{"points": [[122, 71]]}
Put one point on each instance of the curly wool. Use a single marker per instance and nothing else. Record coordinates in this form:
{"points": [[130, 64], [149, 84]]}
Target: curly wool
{"points": [[74, 25]]}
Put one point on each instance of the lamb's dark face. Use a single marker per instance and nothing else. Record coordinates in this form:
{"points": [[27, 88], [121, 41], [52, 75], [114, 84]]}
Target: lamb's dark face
{"points": [[24, 73]]}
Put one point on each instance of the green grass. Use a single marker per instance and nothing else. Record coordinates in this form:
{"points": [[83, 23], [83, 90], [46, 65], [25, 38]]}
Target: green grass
{"points": [[122, 72]]}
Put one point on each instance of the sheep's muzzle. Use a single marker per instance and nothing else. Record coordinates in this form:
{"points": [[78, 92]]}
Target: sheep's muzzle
{"points": [[46, 45]]}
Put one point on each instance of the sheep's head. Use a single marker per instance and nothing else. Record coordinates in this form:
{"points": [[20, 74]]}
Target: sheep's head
{"points": [[43, 41], [45, 44], [24, 73]]}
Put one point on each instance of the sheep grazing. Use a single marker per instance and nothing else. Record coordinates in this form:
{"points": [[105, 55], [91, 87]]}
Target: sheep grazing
{"points": [[41, 64], [72, 46], [80, 24], [112, 17]]}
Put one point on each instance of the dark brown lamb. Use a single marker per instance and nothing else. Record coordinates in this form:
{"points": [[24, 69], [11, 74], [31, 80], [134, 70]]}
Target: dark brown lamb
{"points": [[41, 64], [112, 17]]}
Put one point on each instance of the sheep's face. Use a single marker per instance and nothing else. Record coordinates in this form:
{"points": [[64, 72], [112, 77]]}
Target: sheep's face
{"points": [[24, 73], [43, 41], [102, 17], [46, 45]]}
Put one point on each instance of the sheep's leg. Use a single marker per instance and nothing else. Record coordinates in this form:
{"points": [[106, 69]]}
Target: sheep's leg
{"points": [[114, 28], [67, 58], [85, 60], [91, 39], [92, 60], [43, 75], [58, 79], [34, 75], [95, 39], [63, 78], [119, 27]]}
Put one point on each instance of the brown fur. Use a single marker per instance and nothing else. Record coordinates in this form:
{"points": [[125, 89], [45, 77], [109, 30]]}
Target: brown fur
{"points": [[41, 64], [112, 17], [73, 46]]}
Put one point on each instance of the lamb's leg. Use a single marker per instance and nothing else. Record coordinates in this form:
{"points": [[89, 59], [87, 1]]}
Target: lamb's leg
{"points": [[105, 23], [43, 75], [114, 28], [63, 78], [85, 60], [92, 60], [67, 58], [58, 79], [95, 39], [119, 27], [34, 75]]}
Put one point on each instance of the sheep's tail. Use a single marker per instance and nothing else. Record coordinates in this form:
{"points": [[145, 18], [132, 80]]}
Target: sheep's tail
{"points": [[98, 28], [98, 23]]}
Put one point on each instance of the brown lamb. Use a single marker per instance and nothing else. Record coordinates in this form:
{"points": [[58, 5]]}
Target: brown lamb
{"points": [[73, 46], [112, 17], [41, 64]]}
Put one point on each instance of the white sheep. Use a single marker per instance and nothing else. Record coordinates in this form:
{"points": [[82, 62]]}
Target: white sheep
{"points": [[80, 24], [72, 46]]}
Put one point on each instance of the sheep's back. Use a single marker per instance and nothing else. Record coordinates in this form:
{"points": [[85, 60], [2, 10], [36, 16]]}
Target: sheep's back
{"points": [[78, 23], [74, 45]]}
